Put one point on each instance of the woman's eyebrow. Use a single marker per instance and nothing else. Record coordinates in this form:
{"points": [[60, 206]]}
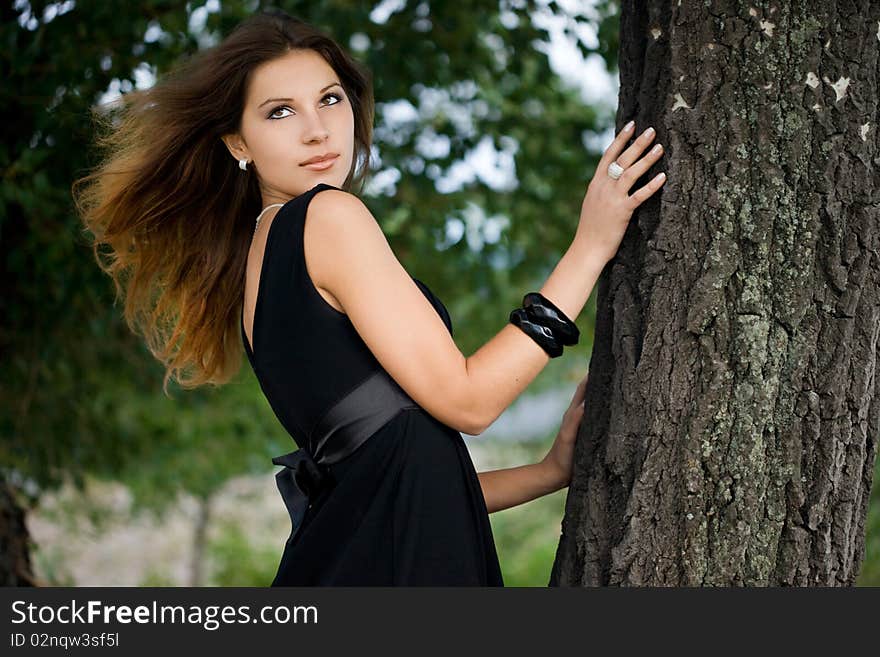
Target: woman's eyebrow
{"points": [[269, 100]]}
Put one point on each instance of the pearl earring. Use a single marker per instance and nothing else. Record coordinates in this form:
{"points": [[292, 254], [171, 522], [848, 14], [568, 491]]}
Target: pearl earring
{"points": [[242, 164]]}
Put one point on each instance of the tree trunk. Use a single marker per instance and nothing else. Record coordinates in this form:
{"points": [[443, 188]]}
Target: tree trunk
{"points": [[731, 416], [15, 557], [200, 541]]}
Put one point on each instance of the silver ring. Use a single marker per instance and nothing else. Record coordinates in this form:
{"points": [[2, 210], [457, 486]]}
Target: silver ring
{"points": [[615, 170]]}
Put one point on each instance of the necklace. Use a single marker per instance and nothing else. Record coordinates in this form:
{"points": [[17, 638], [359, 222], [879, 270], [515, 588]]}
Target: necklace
{"points": [[260, 216]]}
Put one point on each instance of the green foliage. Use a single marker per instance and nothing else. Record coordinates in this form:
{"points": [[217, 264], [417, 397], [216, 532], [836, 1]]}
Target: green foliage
{"points": [[155, 577], [237, 562], [49, 564], [526, 536]]}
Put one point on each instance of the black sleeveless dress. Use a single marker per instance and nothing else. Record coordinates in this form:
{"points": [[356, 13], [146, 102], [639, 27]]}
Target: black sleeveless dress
{"points": [[405, 507]]}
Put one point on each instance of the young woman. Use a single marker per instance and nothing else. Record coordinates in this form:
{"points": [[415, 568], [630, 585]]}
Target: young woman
{"points": [[226, 200]]}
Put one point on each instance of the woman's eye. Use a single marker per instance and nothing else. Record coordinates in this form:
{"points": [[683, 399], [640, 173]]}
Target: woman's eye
{"points": [[277, 109], [284, 107]]}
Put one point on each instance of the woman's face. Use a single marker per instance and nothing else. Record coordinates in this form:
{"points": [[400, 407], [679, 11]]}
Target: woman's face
{"points": [[295, 109]]}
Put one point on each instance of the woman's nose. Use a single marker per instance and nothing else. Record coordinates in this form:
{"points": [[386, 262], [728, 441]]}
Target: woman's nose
{"points": [[316, 130]]}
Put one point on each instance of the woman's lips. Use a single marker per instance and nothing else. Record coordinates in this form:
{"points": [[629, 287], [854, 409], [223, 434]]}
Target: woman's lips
{"points": [[324, 164]]}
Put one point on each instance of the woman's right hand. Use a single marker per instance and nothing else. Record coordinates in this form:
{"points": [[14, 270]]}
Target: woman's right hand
{"points": [[608, 205]]}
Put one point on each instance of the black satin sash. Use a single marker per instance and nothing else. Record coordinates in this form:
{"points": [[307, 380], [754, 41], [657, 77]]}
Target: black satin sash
{"points": [[342, 429]]}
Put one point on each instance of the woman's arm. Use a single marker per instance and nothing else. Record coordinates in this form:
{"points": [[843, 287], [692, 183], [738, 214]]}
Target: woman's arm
{"points": [[355, 263], [509, 487], [501, 370]]}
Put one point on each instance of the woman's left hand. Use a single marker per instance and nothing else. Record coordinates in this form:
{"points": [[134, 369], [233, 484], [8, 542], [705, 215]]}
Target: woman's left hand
{"points": [[560, 458]]}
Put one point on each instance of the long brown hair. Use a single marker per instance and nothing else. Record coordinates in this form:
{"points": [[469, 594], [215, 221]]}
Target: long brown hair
{"points": [[174, 208]]}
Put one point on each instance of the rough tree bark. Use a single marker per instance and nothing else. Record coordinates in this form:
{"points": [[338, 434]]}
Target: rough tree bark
{"points": [[15, 541], [731, 418]]}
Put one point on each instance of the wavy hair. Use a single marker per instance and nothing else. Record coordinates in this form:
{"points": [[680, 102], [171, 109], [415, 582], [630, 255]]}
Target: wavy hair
{"points": [[174, 209]]}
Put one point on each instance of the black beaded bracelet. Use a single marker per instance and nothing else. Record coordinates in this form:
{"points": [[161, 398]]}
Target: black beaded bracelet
{"points": [[543, 311], [540, 334]]}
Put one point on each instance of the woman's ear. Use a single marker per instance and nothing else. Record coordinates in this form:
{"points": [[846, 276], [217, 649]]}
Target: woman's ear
{"points": [[235, 146]]}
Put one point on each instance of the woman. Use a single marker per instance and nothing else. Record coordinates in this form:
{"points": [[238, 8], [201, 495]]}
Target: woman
{"points": [[354, 355]]}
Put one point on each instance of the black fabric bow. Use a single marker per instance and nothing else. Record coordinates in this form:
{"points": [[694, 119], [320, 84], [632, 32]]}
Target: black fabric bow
{"points": [[341, 430], [300, 483]]}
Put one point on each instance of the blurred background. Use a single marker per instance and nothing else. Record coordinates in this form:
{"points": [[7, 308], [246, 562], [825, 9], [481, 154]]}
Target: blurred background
{"points": [[490, 119]]}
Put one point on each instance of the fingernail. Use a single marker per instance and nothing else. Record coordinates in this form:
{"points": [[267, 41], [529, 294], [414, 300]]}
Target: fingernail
{"points": [[629, 126]]}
